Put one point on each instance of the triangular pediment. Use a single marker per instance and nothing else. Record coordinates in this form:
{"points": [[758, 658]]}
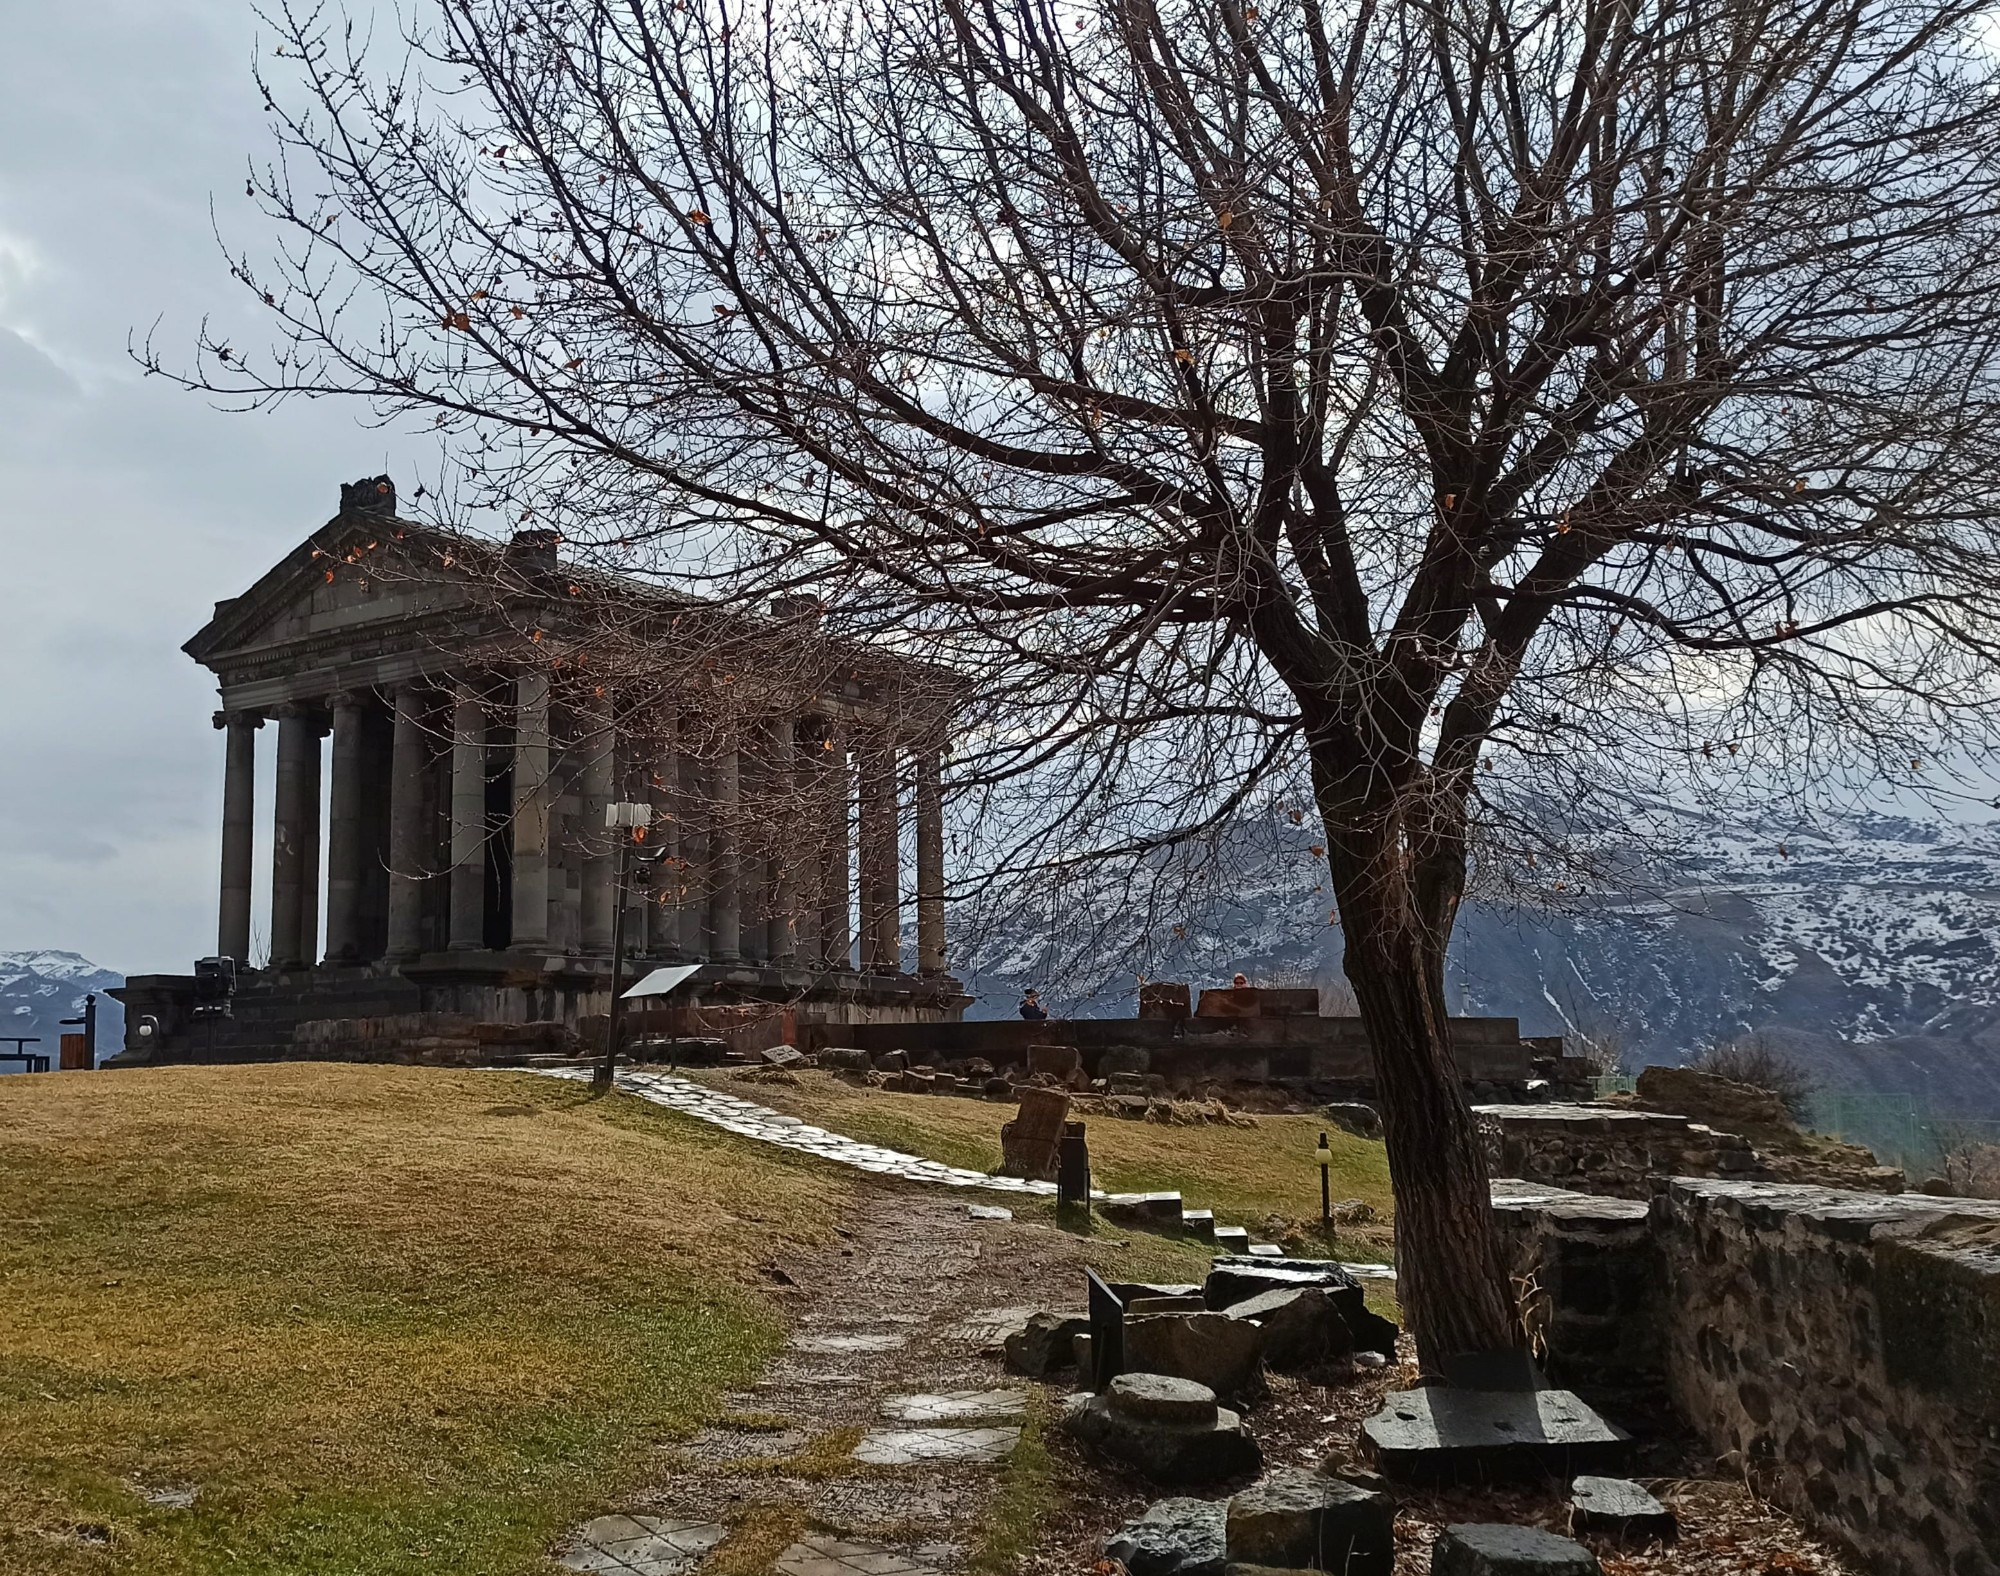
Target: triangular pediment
{"points": [[347, 576]]}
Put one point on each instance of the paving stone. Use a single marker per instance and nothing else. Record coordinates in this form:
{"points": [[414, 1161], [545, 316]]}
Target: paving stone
{"points": [[897, 1447], [772, 1127], [1266, 1250], [1176, 1537], [989, 1212], [954, 1406], [1301, 1519], [1489, 1549], [830, 1556], [641, 1545], [1437, 1434], [991, 1326], [1232, 1239], [878, 1342], [1620, 1510]]}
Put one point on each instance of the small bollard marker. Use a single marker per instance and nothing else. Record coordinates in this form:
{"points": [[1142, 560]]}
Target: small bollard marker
{"points": [[1325, 1157]]}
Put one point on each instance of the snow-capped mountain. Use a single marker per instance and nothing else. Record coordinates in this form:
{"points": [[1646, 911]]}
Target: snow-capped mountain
{"points": [[1866, 944], [38, 989]]}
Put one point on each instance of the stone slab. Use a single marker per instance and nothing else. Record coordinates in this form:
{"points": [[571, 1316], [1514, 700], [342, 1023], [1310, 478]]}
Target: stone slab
{"points": [[955, 1406], [989, 1212], [1491, 1549], [622, 1545], [1620, 1510], [899, 1447], [882, 1341], [831, 1556], [1438, 1434], [991, 1326]]}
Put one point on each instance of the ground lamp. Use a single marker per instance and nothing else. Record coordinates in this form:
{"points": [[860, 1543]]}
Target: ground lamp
{"points": [[628, 823], [1325, 1157]]}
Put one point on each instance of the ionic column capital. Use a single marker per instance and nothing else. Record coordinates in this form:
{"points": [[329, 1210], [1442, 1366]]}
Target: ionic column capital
{"points": [[238, 719]]}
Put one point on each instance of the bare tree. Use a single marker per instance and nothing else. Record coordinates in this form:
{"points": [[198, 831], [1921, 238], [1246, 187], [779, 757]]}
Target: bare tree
{"points": [[1400, 396]]}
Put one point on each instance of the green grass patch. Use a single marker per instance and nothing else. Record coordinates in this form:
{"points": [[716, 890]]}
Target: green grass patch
{"points": [[1264, 1177], [382, 1320], [1027, 1488]]}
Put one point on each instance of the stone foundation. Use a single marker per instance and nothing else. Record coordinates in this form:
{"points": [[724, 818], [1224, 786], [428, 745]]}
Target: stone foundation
{"points": [[1609, 1150], [1842, 1349]]}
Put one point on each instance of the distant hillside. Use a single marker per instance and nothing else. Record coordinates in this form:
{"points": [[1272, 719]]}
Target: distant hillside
{"points": [[1869, 945], [39, 989]]}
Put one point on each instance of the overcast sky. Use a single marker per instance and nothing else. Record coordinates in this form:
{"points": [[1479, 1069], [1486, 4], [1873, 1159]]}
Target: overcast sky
{"points": [[128, 508]]}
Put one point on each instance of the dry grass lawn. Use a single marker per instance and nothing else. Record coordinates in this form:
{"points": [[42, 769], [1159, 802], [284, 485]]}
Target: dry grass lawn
{"points": [[1250, 1176], [382, 1319]]}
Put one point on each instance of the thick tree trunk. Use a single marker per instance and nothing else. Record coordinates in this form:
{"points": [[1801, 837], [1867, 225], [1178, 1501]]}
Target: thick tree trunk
{"points": [[1454, 1291]]}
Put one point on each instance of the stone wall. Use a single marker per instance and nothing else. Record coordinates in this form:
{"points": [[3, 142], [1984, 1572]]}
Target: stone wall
{"points": [[1610, 1150], [1842, 1349]]}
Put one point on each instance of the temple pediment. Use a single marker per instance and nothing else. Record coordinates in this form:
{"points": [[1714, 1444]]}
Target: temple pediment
{"points": [[335, 584]]}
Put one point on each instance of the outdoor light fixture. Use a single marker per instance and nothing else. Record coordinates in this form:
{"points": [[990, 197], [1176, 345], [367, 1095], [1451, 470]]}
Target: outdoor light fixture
{"points": [[631, 820], [1324, 1155]]}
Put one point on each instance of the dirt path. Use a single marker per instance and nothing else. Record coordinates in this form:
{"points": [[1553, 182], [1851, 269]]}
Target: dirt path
{"points": [[877, 1441]]}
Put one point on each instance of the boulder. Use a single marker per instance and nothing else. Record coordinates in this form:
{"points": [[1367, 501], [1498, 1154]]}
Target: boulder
{"points": [[1363, 1121], [1176, 1537], [846, 1058], [1234, 1279], [1126, 1422], [892, 1062], [1059, 1062], [1301, 1519], [1302, 1327], [1212, 1349], [1490, 1549], [1620, 1511], [1046, 1344], [782, 1056]]}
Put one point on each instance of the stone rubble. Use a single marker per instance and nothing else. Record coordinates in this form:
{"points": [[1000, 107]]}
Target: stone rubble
{"points": [[1176, 1537], [1301, 1519], [1169, 1430], [1619, 1511], [1491, 1549]]}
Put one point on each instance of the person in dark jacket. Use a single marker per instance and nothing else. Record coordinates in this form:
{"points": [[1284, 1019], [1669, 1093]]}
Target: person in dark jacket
{"points": [[1032, 1009]]}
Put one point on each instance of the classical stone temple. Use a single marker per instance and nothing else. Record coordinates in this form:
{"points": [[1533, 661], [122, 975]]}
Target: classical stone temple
{"points": [[484, 705]]}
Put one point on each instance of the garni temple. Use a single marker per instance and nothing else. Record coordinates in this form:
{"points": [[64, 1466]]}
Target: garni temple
{"points": [[463, 712]]}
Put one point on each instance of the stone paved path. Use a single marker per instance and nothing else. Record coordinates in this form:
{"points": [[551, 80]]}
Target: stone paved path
{"points": [[767, 1126], [875, 1439]]}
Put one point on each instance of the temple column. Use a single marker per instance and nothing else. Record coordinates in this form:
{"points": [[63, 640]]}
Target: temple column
{"points": [[881, 943], [930, 862], [239, 800], [782, 822], [836, 894], [343, 833], [531, 811], [292, 826], [664, 838], [468, 820], [725, 902], [805, 834], [406, 827], [309, 887], [596, 865]]}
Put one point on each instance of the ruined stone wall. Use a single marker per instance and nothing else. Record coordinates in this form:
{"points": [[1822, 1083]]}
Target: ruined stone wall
{"points": [[1842, 1348], [1604, 1149]]}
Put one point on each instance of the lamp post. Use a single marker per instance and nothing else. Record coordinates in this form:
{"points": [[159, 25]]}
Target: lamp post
{"points": [[1325, 1157], [628, 822]]}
